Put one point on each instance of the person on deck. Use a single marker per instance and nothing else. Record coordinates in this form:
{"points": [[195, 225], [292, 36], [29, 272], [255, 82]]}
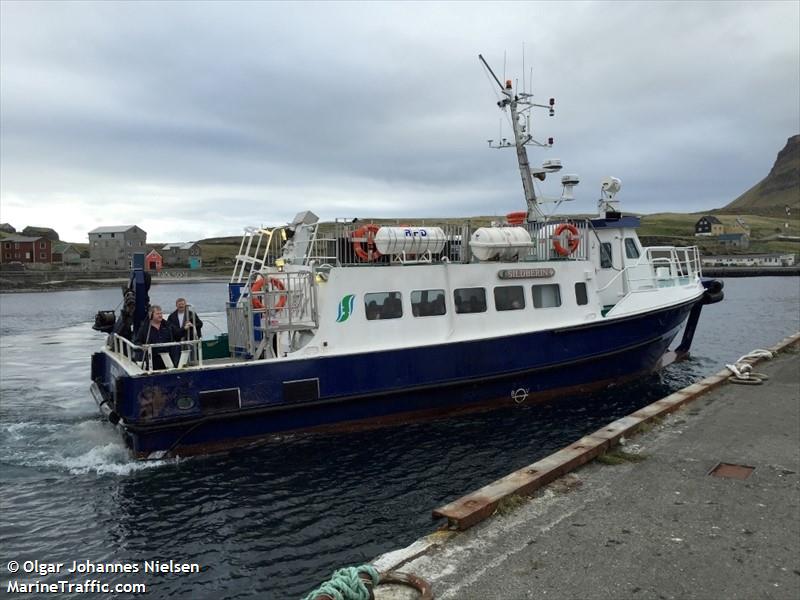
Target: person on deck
{"points": [[185, 323], [157, 331]]}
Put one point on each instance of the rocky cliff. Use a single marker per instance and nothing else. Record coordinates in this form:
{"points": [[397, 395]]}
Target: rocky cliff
{"points": [[779, 189]]}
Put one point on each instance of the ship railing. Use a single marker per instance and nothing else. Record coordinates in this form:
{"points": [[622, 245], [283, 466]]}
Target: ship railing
{"points": [[557, 240], [286, 301], [349, 243], [658, 267], [671, 262], [142, 355]]}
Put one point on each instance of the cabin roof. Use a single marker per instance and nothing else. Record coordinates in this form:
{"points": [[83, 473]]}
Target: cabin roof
{"points": [[113, 229], [624, 221], [21, 238]]}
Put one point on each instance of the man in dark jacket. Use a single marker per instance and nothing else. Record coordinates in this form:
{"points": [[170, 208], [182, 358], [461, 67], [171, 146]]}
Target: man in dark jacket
{"points": [[185, 323], [156, 331]]}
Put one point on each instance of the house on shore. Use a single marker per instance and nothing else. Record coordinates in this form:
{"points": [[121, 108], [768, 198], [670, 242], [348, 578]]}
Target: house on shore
{"points": [[153, 261], [25, 249], [734, 240], [112, 247], [66, 254], [709, 225], [185, 254]]}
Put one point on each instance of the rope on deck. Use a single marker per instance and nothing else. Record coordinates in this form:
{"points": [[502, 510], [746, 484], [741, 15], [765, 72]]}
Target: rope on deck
{"points": [[347, 584], [743, 371]]}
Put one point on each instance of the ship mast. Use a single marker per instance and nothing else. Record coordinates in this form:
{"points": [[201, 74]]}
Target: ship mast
{"points": [[520, 104]]}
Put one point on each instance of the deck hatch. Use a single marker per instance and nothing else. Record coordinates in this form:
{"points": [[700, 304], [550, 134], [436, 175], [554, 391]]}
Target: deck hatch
{"points": [[301, 390], [214, 401], [731, 471]]}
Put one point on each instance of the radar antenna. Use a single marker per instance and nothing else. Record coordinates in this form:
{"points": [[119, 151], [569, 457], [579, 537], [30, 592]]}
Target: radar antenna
{"points": [[520, 105]]}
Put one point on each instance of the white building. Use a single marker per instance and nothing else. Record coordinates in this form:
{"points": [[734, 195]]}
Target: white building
{"points": [[750, 260]]}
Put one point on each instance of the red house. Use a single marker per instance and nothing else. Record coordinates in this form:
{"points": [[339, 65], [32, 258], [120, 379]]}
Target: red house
{"points": [[24, 249], [153, 261]]}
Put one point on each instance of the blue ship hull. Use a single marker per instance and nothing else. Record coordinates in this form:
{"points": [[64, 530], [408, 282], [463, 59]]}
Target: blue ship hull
{"points": [[199, 410]]}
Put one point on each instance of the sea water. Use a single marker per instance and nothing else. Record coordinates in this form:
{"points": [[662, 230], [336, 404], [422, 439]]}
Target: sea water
{"points": [[271, 521]]}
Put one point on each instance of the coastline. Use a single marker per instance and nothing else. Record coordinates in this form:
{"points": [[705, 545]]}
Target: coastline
{"points": [[99, 283]]}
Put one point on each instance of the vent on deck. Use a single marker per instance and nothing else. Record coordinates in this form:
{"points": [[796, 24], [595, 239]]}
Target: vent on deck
{"points": [[732, 471]]}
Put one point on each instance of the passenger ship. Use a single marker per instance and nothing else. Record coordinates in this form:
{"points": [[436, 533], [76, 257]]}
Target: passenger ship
{"points": [[348, 324]]}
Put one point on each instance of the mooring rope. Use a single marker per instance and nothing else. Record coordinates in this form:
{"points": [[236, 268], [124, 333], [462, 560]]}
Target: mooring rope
{"points": [[345, 584], [743, 370]]}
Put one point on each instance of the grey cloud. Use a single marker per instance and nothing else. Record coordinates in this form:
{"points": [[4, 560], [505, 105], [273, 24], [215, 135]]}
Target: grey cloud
{"points": [[282, 102]]}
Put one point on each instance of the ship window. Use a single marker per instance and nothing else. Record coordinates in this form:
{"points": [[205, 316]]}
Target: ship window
{"points": [[383, 305], [580, 293], [470, 300], [606, 257], [427, 303], [509, 297], [631, 250], [546, 296]]}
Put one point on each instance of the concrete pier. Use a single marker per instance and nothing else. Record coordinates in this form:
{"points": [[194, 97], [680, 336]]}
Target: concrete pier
{"points": [[666, 521]]}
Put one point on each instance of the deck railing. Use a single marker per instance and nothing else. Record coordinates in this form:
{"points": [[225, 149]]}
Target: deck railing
{"points": [[658, 267], [142, 355], [338, 244]]}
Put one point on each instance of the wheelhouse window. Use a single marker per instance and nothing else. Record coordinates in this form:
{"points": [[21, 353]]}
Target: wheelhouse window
{"points": [[546, 296], [606, 256], [427, 303], [581, 296], [509, 297], [470, 300], [383, 305], [631, 249]]}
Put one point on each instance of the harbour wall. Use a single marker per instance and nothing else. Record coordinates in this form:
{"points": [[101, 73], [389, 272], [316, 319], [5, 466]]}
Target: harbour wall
{"points": [[664, 524]]}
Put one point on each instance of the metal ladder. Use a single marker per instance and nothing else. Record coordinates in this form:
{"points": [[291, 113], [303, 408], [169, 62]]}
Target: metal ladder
{"points": [[254, 252]]}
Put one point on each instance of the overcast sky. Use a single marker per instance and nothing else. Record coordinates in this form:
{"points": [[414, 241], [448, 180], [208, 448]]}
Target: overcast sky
{"points": [[196, 119]]}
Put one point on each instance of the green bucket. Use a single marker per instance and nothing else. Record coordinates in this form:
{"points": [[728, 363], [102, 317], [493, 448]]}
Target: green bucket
{"points": [[216, 348]]}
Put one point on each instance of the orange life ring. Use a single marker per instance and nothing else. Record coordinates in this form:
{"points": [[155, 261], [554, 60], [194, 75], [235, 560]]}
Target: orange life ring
{"points": [[275, 284], [365, 236], [572, 241], [516, 218]]}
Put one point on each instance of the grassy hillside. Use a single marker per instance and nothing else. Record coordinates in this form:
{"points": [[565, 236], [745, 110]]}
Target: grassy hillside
{"points": [[678, 229]]}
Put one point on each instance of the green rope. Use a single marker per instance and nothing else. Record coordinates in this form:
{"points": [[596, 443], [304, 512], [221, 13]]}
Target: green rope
{"points": [[345, 584]]}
